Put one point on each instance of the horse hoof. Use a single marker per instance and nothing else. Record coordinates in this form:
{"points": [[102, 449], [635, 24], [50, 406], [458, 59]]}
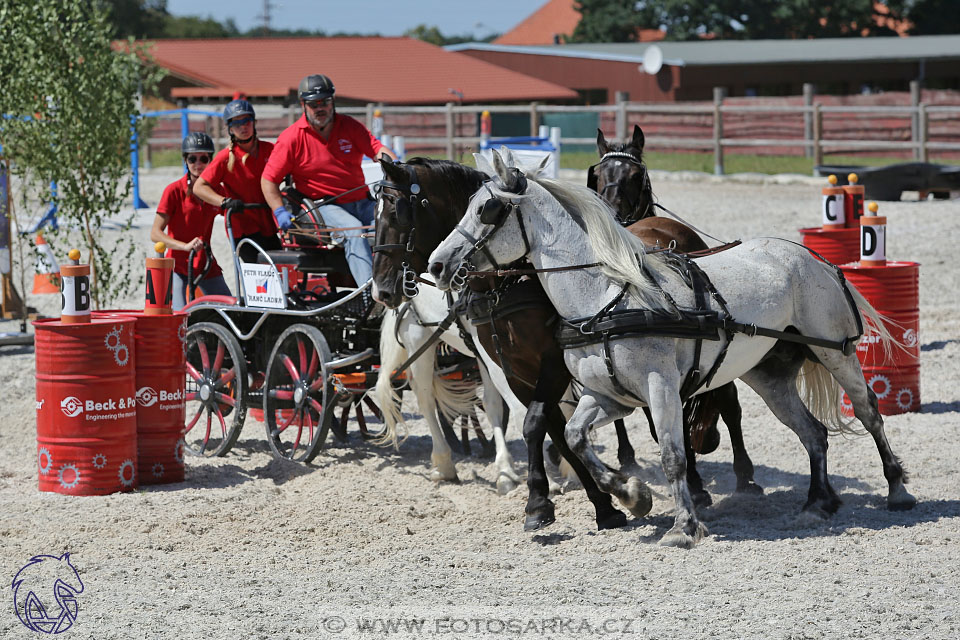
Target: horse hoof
{"points": [[537, 521], [701, 499], [901, 500], [810, 518], [615, 520], [642, 499], [678, 537], [439, 477], [750, 488], [505, 484]]}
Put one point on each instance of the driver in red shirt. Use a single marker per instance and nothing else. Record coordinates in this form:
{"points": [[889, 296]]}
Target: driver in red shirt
{"points": [[323, 151]]}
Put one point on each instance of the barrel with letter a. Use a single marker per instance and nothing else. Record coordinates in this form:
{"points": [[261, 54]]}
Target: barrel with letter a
{"points": [[86, 406]]}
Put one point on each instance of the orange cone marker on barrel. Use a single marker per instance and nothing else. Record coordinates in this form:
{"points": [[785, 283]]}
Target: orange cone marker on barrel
{"points": [[833, 205], [853, 202], [159, 298], [75, 291], [873, 239]]}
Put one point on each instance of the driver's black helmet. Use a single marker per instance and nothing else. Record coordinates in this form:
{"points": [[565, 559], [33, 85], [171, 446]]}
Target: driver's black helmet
{"points": [[316, 87], [197, 142]]}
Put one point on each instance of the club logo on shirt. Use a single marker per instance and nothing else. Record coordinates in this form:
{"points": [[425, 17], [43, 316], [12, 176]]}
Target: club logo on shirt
{"points": [[345, 145]]}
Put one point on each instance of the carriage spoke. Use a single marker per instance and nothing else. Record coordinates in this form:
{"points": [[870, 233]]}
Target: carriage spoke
{"points": [[314, 364], [194, 421], [204, 356], [191, 395], [281, 394], [218, 359], [309, 418], [194, 373], [227, 377], [296, 443], [206, 436], [292, 370], [316, 405], [302, 352], [224, 399], [223, 425], [283, 425]]}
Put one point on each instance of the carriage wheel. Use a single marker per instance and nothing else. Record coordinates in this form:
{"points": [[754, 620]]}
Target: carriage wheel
{"points": [[297, 406], [216, 382]]}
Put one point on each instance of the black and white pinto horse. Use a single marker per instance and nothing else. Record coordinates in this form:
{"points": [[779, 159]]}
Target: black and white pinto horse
{"points": [[786, 324]]}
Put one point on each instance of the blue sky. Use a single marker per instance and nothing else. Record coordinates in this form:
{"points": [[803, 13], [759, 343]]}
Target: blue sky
{"points": [[387, 17]]}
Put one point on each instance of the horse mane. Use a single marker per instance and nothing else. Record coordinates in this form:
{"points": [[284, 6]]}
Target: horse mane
{"points": [[461, 181], [620, 253]]}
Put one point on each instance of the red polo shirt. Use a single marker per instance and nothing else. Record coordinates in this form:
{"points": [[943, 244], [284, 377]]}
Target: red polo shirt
{"points": [[323, 167], [243, 183], [188, 217]]}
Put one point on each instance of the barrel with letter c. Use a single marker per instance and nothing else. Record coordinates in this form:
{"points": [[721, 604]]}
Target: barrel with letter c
{"points": [[86, 406]]}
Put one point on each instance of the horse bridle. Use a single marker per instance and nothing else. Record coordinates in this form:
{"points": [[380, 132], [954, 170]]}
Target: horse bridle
{"points": [[495, 211], [645, 187], [405, 209]]}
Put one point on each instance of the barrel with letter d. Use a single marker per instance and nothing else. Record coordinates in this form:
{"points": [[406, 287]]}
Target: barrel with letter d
{"points": [[160, 394], [86, 406], [873, 239]]}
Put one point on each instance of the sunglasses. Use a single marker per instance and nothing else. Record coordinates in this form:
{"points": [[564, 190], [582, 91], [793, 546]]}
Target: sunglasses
{"points": [[191, 159], [316, 104], [240, 122]]}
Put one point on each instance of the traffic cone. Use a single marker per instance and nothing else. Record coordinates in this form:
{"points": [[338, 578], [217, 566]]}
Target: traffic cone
{"points": [[47, 276]]}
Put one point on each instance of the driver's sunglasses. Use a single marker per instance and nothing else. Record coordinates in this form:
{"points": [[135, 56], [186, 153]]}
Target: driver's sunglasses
{"points": [[240, 122], [192, 159], [316, 104]]}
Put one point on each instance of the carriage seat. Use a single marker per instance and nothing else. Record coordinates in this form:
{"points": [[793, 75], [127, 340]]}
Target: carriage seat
{"points": [[314, 261]]}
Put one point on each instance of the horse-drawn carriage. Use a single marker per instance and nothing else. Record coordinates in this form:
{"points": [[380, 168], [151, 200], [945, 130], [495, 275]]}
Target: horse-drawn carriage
{"points": [[298, 341]]}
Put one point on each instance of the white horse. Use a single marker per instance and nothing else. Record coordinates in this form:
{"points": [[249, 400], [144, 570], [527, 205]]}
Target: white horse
{"points": [[767, 283], [416, 325]]}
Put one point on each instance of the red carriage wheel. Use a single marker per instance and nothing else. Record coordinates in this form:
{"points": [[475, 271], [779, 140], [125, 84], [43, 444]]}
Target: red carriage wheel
{"points": [[297, 407], [216, 382]]}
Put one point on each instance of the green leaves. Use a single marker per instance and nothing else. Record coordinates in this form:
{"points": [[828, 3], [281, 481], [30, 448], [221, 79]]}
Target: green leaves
{"points": [[68, 96]]}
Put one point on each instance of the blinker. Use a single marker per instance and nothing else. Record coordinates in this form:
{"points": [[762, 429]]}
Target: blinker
{"points": [[494, 211]]}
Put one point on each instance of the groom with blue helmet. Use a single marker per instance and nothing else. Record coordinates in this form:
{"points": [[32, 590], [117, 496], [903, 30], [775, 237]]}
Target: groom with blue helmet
{"points": [[323, 151]]}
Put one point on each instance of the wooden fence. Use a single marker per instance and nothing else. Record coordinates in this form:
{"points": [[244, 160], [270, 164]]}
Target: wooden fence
{"points": [[904, 126]]}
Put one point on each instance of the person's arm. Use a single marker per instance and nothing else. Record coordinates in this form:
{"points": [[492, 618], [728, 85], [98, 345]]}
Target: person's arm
{"points": [[204, 190], [157, 234], [383, 153], [271, 193]]}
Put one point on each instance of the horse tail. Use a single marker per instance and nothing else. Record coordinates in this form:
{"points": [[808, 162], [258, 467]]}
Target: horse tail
{"points": [[702, 413], [821, 391], [392, 354], [454, 398]]}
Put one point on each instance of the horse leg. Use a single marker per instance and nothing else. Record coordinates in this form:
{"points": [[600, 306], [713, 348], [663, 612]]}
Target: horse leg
{"points": [[729, 404], [667, 412], [594, 409], [421, 382], [539, 510], [494, 407], [846, 370], [699, 495], [626, 456], [774, 379]]}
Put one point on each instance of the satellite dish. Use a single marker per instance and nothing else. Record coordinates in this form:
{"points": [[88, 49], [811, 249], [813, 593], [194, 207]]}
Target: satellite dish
{"points": [[652, 60]]}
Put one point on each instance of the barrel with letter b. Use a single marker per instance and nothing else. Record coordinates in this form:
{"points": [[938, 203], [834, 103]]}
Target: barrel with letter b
{"points": [[86, 406]]}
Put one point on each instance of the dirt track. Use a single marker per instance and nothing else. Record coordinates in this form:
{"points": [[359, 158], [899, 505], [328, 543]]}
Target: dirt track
{"points": [[249, 547]]}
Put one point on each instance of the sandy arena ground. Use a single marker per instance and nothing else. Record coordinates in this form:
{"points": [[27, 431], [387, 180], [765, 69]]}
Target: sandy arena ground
{"points": [[249, 547]]}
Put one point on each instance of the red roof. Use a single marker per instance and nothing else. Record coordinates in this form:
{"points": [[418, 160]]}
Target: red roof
{"points": [[557, 18], [389, 70]]}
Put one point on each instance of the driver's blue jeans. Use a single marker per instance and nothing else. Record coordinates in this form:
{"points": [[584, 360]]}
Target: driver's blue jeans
{"points": [[357, 248]]}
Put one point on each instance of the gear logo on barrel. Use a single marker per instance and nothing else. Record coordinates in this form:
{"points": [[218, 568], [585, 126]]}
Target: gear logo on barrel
{"points": [[880, 385], [905, 398], [99, 461], [69, 476], [71, 406], [121, 353], [45, 594], [147, 396], [126, 473], [910, 338], [45, 460]]}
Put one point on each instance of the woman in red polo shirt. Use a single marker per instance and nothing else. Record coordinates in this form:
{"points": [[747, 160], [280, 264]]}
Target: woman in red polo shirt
{"points": [[233, 178], [184, 222]]}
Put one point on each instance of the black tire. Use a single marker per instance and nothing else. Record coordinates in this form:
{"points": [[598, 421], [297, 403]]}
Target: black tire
{"points": [[214, 390], [298, 394]]}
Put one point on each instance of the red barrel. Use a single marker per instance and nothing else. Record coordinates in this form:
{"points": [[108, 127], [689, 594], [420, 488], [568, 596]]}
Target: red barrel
{"points": [[838, 245], [897, 389], [160, 393], [894, 291], [86, 406]]}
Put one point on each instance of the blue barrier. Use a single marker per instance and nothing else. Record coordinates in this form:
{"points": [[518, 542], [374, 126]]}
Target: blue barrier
{"points": [[184, 114]]}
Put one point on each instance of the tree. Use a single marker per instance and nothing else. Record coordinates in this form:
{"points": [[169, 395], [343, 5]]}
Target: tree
{"points": [[934, 17], [137, 18], [196, 27], [68, 97], [433, 36], [606, 21]]}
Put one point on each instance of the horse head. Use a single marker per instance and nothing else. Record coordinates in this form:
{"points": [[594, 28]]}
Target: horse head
{"points": [[419, 204], [621, 177]]}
